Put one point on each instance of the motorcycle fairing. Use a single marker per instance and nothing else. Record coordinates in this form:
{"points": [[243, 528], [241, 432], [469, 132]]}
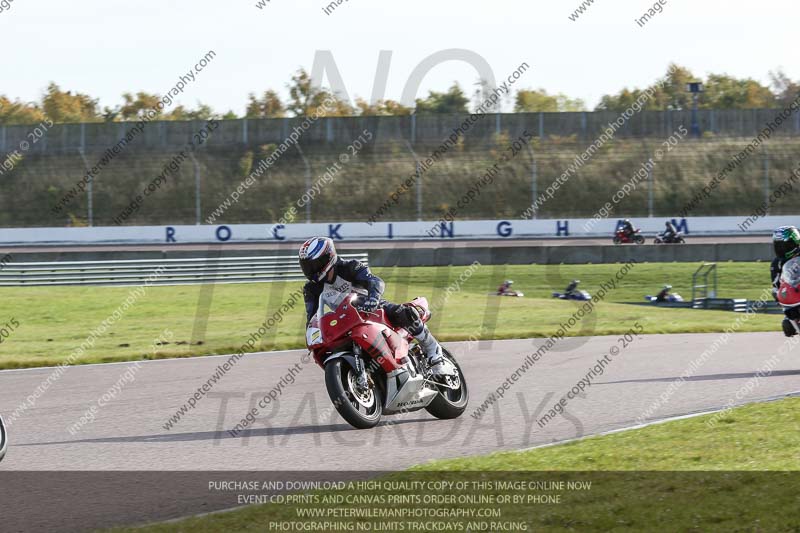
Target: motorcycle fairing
{"points": [[381, 343], [405, 392], [789, 289]]}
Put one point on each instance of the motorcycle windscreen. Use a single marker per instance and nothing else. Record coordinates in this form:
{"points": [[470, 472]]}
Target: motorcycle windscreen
{"points": [[791, 272]]}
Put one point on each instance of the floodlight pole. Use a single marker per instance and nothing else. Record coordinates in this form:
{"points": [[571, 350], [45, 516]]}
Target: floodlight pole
{"points": [[695, 88], [308, 181]]}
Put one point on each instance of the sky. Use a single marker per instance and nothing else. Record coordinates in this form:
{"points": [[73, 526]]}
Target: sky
{"points": [[107, 47]]}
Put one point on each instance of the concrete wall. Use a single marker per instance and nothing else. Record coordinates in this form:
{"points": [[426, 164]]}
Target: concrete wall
{"points": [[572, 254], [396, 232]]}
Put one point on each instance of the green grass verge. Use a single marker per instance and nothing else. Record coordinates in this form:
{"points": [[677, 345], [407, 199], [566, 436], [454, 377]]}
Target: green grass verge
{"points": [[53, 322], [684, 475]]}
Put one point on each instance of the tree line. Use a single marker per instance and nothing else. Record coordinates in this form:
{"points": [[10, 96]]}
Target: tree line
{"points": [[722, 91]]}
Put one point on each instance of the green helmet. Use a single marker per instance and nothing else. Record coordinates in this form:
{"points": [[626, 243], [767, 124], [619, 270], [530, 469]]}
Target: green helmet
{"points": [[786, 242]]}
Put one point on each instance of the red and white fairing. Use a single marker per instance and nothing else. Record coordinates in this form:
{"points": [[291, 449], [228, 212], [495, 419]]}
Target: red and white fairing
{"points": [[789, 288]]}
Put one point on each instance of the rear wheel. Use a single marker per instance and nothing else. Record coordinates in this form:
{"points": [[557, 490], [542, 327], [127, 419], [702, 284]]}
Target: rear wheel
{"points": [[361, 408], [638, 239], [453, 396]]}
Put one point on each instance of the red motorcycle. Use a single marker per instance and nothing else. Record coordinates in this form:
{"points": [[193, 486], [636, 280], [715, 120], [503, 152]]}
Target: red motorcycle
{"points": [[620, 237], [789, 291], [373, 369]]}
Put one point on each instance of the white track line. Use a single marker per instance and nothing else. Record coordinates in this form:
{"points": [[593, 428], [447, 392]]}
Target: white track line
{"points": [[660, 421], [194, 357]]}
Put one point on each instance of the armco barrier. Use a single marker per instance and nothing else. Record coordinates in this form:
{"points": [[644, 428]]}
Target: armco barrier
{"points": [[223, 269]]}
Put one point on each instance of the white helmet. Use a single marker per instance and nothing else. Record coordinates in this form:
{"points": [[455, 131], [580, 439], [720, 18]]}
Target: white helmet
{"points": [[317, 257]]}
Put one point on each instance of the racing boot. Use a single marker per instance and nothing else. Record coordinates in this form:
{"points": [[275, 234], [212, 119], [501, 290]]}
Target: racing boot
{"points": [[788, 328], [438, 364]]}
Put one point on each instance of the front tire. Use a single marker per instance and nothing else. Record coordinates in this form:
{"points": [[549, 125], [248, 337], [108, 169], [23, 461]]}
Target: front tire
{"points": [[617, 240], [680, 240], [362, 410], [657, 240], [3, 439], [450, 403]]}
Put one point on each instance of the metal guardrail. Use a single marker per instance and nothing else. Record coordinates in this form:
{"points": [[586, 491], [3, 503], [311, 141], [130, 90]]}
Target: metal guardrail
{"points": [[157, 271]]}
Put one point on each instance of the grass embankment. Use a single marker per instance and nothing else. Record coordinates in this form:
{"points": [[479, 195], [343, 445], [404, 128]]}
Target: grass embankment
{"points": [[678, 476], [55, 321], [38, 183]]}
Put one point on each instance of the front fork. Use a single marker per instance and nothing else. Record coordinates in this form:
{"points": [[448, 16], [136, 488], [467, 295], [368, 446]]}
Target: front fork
{"points": [[361, 372]]}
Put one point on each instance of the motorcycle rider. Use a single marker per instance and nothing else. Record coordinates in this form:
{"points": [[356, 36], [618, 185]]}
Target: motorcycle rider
{"points": [[571, 287], [664, 294], [327, 272], [786, 243], [505, 287], [627, 228], [670, 232]]}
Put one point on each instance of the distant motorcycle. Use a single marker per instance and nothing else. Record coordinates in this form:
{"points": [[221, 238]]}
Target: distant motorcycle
{"points": [[510, 293], [676, 238], [674, 297], [620, 237], [3, 439], [581, 296]]}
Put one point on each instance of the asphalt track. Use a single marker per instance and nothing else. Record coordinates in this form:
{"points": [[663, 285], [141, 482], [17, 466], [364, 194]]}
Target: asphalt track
{"points": [[299, 432]]}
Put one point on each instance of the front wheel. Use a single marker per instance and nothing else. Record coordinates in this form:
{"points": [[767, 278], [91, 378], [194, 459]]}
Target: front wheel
{"points": [[617, 240], [362, 409], [680, 240], [657, 240], [453, 396]]}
